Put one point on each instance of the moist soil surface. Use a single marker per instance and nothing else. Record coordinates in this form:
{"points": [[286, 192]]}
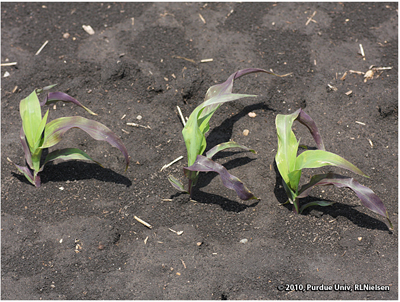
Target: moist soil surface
{"points": [[76, 237]]}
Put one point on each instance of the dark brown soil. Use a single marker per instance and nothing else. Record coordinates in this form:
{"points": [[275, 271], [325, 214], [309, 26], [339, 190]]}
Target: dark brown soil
{"points": [[75, 237]]}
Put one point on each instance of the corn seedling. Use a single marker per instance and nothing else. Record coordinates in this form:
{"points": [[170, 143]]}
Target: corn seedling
{"points": [[290, 166], [194, 136], [36, 134]]}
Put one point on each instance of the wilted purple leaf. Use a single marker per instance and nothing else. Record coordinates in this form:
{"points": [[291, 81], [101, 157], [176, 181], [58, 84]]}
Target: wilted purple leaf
{"points": [[204, 164], [53, 97], [35, 180], [307, 121], [25, 146], [55, 130], [368, 198]]}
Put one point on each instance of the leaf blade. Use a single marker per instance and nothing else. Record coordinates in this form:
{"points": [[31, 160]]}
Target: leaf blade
{"points": [[68, 154], [55, 130], [231, 144], [33, 179], [31, 118], [320, 158], [54, 97], [368, 198], [285, 157], [176, 184], [204, 164], [307, 121]]}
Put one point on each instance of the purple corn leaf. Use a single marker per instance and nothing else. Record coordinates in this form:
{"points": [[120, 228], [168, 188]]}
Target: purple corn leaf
{"points": [[307, 121], [226, 87], [368, 198], [55, 130], [204, 164], [35, 180], [28, 156], [223, 146], [176, 184], [67, 154], [53, 97]]}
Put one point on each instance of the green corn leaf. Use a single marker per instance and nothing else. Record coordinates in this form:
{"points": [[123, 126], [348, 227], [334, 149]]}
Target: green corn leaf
{"points": [[320, 158], [294, 179], [223, 146], [368, 198], [40, 130], [194, 138], [40, 90], [204, 164], [31, 119], [198, 125], [320, 203], [287, 145], [55, 130], [68, 154], [289, 192]]}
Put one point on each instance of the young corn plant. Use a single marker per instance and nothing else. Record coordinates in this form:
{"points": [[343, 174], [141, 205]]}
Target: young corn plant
{"points": [[36, 134], [194, 136], [290, 167]]}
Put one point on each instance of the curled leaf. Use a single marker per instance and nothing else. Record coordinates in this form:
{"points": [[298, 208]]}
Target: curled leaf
{"points": [[320, 203], [55, 130], [204, 164], [223, 146], [68, 154], [307, 121], [368, 198], [54, 97]]}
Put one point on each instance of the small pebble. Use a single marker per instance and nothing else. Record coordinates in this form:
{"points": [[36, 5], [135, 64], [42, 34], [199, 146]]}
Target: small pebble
{"points": [[246, 132], [61, 188], [199, 243], [66, 35], [139, 117], [359, 238], [243, 241], [252, 114]]}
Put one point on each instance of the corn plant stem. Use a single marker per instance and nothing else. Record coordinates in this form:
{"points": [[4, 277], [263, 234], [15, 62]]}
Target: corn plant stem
{"points": [[190, 188]]}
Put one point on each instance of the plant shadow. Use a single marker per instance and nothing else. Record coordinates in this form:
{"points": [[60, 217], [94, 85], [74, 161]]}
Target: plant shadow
{"points": [[223, 132], [335, 210], [209, 198], [77, 170]]}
